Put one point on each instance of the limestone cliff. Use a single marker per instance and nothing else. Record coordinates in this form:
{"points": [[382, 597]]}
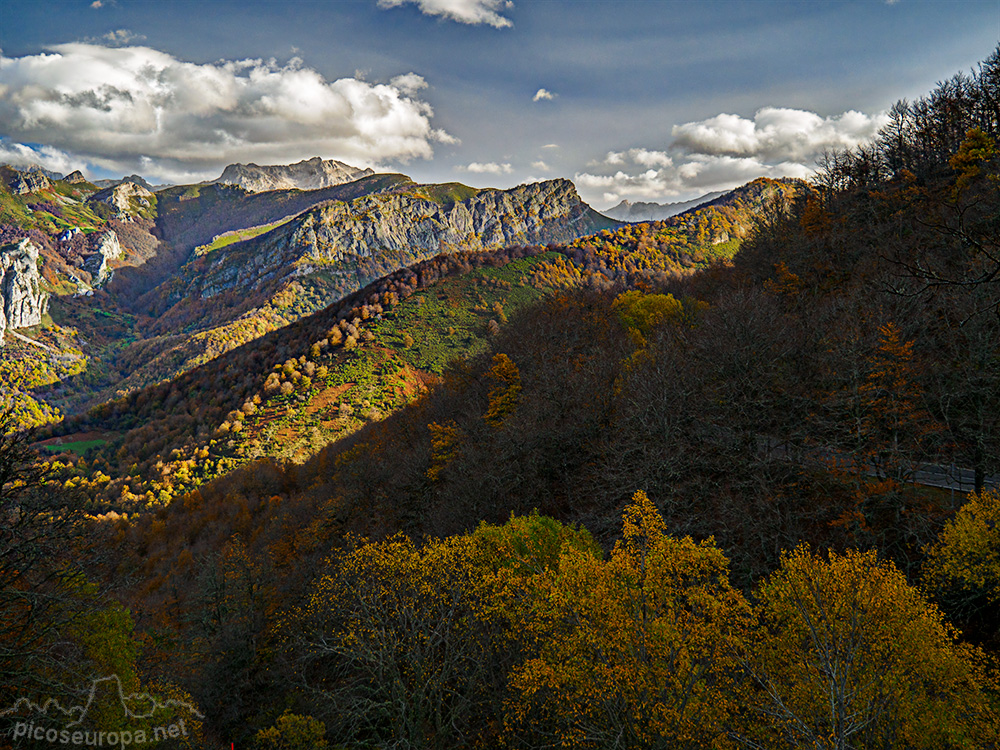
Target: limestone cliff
{"points": [[312, 174], [22, 183], [104, 246], [22, 301], [373, 235]]}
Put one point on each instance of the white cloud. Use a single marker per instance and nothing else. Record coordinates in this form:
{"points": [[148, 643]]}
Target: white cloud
{"points": [[442, 137], [640, 156], [543, 94], [118, 38], [20, 155], [97, 4], [135, 108], [698, 175], [464, 11], [540, 165], [725, 151], [551, 145], [488, 168], [776, 133]]}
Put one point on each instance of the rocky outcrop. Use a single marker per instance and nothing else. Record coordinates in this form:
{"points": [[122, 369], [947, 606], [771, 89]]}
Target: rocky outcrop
{"points": [[75, 178], [305, 175], [22, 301], [125, 197], [133, 178], [22, 183], [104, 247], [373, 235], [628, 211]]}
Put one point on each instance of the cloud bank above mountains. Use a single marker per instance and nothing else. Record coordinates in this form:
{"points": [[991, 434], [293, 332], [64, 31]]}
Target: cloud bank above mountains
{"points": [[726, 150], [136, 109]]}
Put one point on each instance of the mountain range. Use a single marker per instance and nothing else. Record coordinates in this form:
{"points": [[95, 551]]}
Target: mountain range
{"points": [[137, 288], [144, 285], [639, 211]]}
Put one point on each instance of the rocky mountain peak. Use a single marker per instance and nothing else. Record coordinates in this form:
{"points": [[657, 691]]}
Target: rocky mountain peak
{"points": [[120, 197], [24, 182], [311, 174]]}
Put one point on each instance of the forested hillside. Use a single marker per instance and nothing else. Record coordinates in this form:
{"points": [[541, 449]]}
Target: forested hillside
{"points": [[686, 484]]}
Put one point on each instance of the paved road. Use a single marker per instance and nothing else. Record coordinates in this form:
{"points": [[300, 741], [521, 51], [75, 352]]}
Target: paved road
{"points": [[930, 475], [952, 478]]}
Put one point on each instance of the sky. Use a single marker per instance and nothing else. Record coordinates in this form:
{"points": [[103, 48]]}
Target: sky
{"points": [[645, 100]]}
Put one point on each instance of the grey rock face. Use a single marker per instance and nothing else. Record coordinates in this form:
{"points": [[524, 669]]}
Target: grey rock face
{"points": [[76, 177], [119, 197], [23, 183], [105, 247], [312, 174], [22, 301], [383, 232]]}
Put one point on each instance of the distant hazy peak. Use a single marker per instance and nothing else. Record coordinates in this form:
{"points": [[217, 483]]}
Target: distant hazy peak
{"points": [[133, 178], [311, 174], [628, 211]]}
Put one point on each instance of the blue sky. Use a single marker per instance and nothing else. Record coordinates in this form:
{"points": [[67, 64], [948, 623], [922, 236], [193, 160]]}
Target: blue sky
{"points": [[647, 100]]}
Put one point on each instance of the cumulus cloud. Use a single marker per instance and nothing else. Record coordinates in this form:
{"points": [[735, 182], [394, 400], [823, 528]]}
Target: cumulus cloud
{"points": [[137, 109], [118, 38], [640, 156], [464, 11], [543, 94], [20, 155], [540, 165], [776, 134], [727, 150], [696, 175], [488, 168]]}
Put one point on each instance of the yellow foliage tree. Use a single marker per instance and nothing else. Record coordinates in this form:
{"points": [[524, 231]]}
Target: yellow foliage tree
{"points": [[963, 566], [641, 312], [846, 654], [413, 644], [293, 732], [634, 653], [445, 445], [506, 390]]}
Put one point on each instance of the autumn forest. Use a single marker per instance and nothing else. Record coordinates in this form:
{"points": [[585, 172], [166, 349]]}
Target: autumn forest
{"points": [[729, 479]]}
